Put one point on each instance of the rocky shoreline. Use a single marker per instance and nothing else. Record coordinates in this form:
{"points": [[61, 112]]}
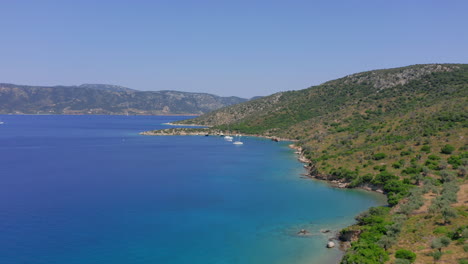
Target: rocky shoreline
{"points": [[343, 237], [346, 235], [313, 173], [205, 132]]}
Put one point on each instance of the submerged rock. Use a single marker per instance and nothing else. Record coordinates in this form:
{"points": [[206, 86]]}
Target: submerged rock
{"points": [[303, 232]]}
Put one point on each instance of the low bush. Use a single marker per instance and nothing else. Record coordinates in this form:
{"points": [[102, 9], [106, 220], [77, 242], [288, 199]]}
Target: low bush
{"points": [[405, 254], [426, 149], [447, 149], [379, 156]]}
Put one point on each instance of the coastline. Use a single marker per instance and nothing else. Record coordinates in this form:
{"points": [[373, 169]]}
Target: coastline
{"points": [[312, 172], [189, 125], [343, 241], [337, 183], [203, 132]]}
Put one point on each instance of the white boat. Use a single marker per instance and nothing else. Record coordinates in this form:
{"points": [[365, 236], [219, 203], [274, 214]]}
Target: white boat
{"points": [[1, 123], [228, 138], [238, 142]]}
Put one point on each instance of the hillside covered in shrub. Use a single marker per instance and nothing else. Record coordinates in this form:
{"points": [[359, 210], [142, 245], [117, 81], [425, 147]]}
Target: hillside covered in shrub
{"points": [[402, 131]]}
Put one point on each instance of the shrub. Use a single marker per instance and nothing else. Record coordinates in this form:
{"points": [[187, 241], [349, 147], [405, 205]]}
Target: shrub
{"points": [[405, 254], [440, 242], [440, 230], [405, 153], [464, 233], [365, 252], [341, 173], [380, 167], [448, 213], [402, 261], [433, 157], [436, 255], [432, 164], [379, 156], [384, 177], [455, 161], [412, 170], [462, 171], [387, 241], [447, 149], [426, 149], [367, 177], [447, 176], [461, 233], [373, 215], [445, 241], [396, 186]]}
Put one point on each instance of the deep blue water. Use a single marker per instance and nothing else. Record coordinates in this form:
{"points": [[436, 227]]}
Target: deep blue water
{"points": [[90, 190]]}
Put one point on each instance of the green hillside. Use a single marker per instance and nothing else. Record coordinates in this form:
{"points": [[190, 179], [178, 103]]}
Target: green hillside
{"points": [[403, 131]]}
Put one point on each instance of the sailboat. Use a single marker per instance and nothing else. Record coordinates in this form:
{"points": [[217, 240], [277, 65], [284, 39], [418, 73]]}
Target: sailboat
{"points": [[227, 137], [238, 142]]}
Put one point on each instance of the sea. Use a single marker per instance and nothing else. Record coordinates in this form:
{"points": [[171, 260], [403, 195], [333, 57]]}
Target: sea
{"points": [[90, 190]]}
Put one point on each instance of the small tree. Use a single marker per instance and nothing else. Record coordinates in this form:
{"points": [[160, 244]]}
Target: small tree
{"points": [[447, 176], [445, 241], [436, 255], [387, 241], [440, 242], [448, 213], [436, 244]]}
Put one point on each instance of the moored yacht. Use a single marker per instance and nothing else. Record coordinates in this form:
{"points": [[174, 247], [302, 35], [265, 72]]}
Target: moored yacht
{"points": [[238, 141]]}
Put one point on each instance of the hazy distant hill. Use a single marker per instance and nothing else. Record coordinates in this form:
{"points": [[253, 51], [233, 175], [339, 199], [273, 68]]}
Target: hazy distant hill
{"points": [[105, 99]]}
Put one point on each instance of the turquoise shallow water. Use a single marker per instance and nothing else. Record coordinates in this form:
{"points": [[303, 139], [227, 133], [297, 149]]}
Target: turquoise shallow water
{"points": [[89, 189]]}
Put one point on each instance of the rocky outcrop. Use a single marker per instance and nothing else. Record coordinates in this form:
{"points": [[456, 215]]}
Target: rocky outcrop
{"points": [[383, 79], [349, 235]]}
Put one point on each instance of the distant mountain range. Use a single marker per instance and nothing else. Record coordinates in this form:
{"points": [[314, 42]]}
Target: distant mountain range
{"points": [[106, 99]]}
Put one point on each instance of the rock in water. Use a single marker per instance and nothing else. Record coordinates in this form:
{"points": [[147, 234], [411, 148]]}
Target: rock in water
{"points": [[330, 244], [303, 232]]}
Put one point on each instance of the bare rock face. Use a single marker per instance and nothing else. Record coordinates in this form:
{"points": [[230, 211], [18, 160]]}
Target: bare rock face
{"points": [[389, 78], [349, 235], [330, 244]]}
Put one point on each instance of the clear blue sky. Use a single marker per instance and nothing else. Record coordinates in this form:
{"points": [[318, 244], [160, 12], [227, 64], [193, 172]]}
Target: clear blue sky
{"points": [[242, 48]]}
